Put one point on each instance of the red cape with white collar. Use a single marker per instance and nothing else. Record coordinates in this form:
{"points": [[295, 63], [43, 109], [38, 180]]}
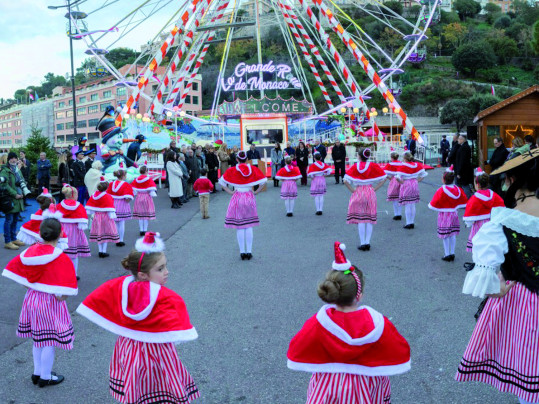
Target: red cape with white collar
{"points": [[288, 172], [243, 175], [143, 311], [120, 190], [144, 183], [72, 211], [448, 198], [44, 268], [363, 342], [100, 202], [318, 168], [29, 231], [480, 205], [364, 173], [392, 167], [411, 170]]}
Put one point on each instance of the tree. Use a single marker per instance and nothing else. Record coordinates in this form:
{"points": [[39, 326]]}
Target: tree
{"points": [[492, 12], [525, 12], [466, 8], [471, 57], [454, 33], [51, 81], [390, 39], [456, 111], [121, 56], [502, 21], [36, 144], [479, 102], [504, 47], [396, 6], [535, 35]]}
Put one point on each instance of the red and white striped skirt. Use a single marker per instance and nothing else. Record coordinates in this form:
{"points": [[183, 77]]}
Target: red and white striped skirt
{"points": [[504, 348], [448, 224], [241, 212], [123, 210], [409, 192], [362, 206], [76, 241], [393, 190], [473, 231], [143, 372], [144, 207], [318, 185], [345, 388], [46, 320], [289, 189], [103, 229]]}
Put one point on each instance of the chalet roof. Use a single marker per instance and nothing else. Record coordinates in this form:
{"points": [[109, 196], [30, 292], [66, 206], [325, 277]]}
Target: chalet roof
{"points": [[506, 102]]}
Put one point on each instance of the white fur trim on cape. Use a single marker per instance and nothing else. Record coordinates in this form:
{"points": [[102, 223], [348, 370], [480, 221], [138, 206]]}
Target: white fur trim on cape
{"points": [[49, 215], [117, 188], [476, 218], [370, 181], [224, 183], [350, 368], [143, 336], [93, 209], [33, 216], [40, 287], [447, 209], [67, 207], [140, 181], [40, 259], [130, 197], [297, 177], [158, 246], [147, 190], [98, 195], [420, 174], [154, 291], [483, 197], [77, 220], [28, 237]]}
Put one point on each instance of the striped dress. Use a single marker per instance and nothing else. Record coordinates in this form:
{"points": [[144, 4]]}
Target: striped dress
{"points": [[242, 212], [473, 231], [76, 240], [289, 189], [362, 206], [103, 229], [393, 190], [143, 372], [504, 348], [318, 185], [409, 192], [144, 207], [123, 210], [345, 388], [448, 224], [46, 320]]}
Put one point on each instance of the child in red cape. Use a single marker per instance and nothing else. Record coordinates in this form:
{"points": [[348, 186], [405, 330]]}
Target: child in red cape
{"points": [[145, 189], [103, 228], [289, 189], [122, 193], [317, 171]]}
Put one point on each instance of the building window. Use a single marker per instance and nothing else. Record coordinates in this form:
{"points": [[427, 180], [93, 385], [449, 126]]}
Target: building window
{"points": [[81, 124], [107, 94], [61, 104], [60, 115], [185, 84], [195, 99], [188, 99], [60, 126], [69, 125], [18, 141], [82, 99], [195, 86], [121, 91], [60, 139], [94, 97], [70, 102], [93, 136], [69, 114], [69, 138], [81, 111], [92, 109], [92, 123]]}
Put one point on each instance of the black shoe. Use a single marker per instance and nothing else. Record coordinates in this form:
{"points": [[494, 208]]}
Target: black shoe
{"points": [[362, 247], [142, 233], [336, 182], [446, 258], [289, 214], [42, 382], [120, 244], [78, 278], [249, 256], [243, 256], [409, 226], [103, 255], [399, 217], [367, 247], [319, 213], [35, 379], [452, 257]]}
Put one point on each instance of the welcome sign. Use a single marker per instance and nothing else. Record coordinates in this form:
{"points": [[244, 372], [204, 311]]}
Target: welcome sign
{"points": [[265, 106], [283, 78]]}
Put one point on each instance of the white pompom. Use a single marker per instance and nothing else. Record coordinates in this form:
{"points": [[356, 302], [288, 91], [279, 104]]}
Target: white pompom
{"points": [[342, 246]]}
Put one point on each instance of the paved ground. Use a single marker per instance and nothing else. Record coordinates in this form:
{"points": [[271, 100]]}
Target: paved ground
{"points": [[247, 311]]}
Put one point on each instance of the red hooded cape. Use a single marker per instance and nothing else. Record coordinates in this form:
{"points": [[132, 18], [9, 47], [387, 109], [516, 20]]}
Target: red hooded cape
{"points": [[392, 167], [243, 175], [100, 202], [448, 198], [143, 183], [363, 342], [318, 168], [120, 190], [143, 311], [480, 205], [408, 171], [73, 212], [288, 172], [364, 173]]}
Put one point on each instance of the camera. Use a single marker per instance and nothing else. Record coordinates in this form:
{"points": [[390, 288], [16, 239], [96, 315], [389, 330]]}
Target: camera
{"points": [[22, 186]]}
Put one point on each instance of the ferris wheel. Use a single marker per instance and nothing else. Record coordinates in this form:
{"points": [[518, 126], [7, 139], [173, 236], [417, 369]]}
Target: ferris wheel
{"points": [[321, 34]]}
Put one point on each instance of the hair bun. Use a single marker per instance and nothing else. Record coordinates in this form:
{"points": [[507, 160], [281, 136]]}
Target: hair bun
{"points": [[329, 291]]}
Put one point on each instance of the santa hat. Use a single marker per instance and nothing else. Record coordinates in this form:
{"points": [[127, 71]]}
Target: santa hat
{"points": [[143, 164], [121, 165], [150, 243], [479, 172], [46, 193], [241, 156], [52, 213], [450, 169], [340, 263], [102, 179]]}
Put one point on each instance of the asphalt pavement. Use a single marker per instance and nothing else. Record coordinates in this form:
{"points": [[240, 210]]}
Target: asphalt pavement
{"points": [[246, 312]]}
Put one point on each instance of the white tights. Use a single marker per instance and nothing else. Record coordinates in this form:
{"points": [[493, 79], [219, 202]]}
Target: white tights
{"points": [[75, 261], [449, 245], [121, 229], [409, 211], [143, 224], [103, 247], [521, 401], [319, 203], [43, 361], [397, 208], [365, 232], [289, 204], [245, 240]]}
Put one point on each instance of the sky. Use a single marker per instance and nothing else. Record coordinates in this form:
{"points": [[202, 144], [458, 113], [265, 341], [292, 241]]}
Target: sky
{"points": [[33, 40]]}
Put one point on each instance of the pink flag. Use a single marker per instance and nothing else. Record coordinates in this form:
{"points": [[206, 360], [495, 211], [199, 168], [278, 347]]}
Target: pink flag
{"points": [[31, 96], [492, 90]]}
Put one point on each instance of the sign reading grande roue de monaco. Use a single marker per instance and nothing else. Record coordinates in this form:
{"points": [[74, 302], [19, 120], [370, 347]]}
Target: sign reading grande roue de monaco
{"points": [[265, 106], [282, 78]]}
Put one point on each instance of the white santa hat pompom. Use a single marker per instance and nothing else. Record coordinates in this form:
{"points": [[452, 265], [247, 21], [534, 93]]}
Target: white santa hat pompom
{"points": [[150, 243], [52, 213]]}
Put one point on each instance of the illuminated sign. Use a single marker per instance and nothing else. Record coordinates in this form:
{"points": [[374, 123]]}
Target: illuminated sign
{"points": [[265, 105], [282, 78]]}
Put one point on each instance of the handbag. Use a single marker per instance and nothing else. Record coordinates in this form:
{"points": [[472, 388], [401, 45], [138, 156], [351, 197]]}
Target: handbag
{"points": [[6, 202]]}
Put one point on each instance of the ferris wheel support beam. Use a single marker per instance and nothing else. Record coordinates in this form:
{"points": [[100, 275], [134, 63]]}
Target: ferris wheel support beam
{"points": [[373, 75], [356, 90], [306, 54], [315, 51]]}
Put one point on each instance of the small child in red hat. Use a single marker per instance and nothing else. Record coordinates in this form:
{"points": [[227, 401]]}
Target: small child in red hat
{"points": [[204, 187]]}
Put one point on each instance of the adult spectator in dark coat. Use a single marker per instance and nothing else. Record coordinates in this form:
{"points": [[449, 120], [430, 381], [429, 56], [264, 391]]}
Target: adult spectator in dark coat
{"points": [[463, 165], [79, 171], [320, 148], [528, 139], [453, 152], [496, 160], [338, 154], [444, 150], [410, 144], [12, 183], [302, 158], [25, 170], [90, 160], [191, 162], [43, 171], [288, 151], [232, 158], [212, 161], [133, 151]]}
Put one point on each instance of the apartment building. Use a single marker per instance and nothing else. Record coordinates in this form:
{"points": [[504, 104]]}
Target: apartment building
{"points": [[10, 127]]}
